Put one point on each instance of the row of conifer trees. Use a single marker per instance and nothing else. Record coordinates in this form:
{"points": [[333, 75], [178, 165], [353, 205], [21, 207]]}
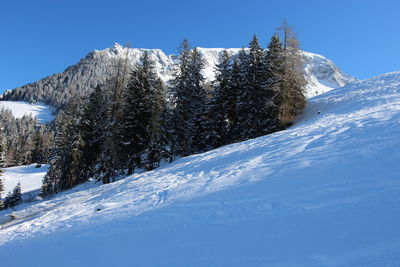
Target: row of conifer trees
{"points": [[12, 198], [136, 121], [26, 140]]}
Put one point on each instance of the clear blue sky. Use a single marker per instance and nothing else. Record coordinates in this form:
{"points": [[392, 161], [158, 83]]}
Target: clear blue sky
{"points": [[42, 37]]}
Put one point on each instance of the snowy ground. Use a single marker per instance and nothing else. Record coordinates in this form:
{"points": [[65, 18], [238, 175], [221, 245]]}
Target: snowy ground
{"points": [[29, 177], [326, 192], [19, 109]]}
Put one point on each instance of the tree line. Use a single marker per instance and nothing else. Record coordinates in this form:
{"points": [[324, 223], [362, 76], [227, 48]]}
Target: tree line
{"points": [[134, 120], [75, 82], [26, 141], [22, 141], [12, 198]]}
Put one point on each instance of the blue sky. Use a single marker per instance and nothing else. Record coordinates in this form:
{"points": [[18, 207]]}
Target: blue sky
{"points": [[42, 37]]}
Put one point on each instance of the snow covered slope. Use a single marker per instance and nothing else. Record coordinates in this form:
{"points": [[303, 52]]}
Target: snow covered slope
{"points": [[322, 75], [19, 109], [325, 192], [29, 177], [99, 65]]}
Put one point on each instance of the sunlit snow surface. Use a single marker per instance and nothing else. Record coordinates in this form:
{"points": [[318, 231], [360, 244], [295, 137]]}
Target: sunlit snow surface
{"points": [[19, 109], [29, 176], [325, 192]]}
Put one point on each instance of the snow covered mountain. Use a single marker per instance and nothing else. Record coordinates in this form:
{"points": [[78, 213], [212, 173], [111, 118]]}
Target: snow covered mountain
{"points": [[321, 73], [325, 192], [97, 67]]}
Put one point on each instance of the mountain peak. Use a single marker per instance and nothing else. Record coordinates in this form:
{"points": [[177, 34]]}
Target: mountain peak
{"points": [[117, 45]]}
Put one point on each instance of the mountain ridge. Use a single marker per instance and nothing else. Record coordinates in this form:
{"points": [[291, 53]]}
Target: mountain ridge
{"points": [[98, 66]]}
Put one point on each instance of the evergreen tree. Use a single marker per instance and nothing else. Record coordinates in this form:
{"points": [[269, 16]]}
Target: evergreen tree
{"points": [[244, 94], [17, 194], [112, 158], [253, 101], [15, 197], [196, 65], [52, 180], [76, 172], [276, 74], [41, 144], [59, 176], [156, 148], [189, 100], [92, 131], [37, 151], [2, 164], [232, 105], [167, 134], [219, 104], [143, 104], [182, 127]]}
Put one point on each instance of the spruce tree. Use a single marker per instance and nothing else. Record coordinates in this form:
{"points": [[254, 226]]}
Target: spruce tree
{"points": [[156, 146], [17, 194], [112, 157], [2, 165], [59, 175], [181, 119], [276, 73], [51, 181], [15, 197], [167, 134], [196, 65], [219, 104], [243, 100], [189, 100], [253, 103], [231, 101], [37, 151], [92, 130], [76, 171], [143, 105]]}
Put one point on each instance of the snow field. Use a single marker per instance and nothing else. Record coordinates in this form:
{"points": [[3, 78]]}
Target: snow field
{"points": [[325, 192], [19, 109], [29, 177]]}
